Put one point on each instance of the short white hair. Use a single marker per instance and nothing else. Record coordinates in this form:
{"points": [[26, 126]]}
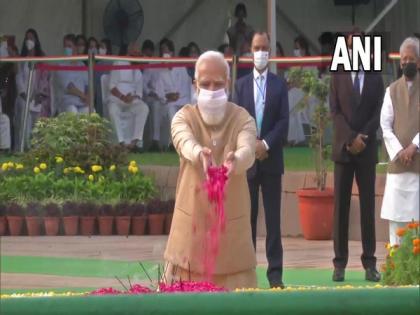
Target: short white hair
{"points": [[214, 55], [410, 42]]}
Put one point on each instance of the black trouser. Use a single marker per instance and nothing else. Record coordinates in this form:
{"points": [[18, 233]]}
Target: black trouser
{"points": [[365, 173], [271, 193]]}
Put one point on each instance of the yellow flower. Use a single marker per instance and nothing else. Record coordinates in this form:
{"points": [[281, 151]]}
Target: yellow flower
{"points": [[4, 167], [19, 166], [66, 170], [78, 169], [133, 169], [91, 177], [133, 163], [112, 168], [10, 164], [96, 168], [37, 170], [43, 166], [59, 159]]}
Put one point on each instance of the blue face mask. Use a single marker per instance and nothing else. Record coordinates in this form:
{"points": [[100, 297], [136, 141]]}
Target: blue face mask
{"points": [[68, 51]]}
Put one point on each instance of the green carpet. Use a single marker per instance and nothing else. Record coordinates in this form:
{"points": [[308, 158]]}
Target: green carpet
{"points": [[122, 269]]}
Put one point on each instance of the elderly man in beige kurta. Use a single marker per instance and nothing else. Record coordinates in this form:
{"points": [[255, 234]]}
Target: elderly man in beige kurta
{"points": [[216, 132]]}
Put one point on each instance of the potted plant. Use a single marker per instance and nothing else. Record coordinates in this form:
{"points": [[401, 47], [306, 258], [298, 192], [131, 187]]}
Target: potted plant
{"points": [[15, 218], [105, 219], [3, 220], [87, 218], [123, 212], [156, 216], [139, 219], [316, 204], [32, 218], [52, 219], [170, 206], [70, 218]]}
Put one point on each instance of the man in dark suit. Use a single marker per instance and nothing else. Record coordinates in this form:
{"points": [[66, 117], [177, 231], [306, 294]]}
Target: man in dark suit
{"points": [[264, 95], [355, 101]]}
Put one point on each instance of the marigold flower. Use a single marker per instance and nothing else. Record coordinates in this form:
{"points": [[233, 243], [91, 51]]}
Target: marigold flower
{"points": [[78, 169], [19, 166], [416, 250], [91, 177], [112, 168], [66, 170], [59, 159], [401, 232], [133, 169], [96, 168], [416, 242], [10, 164], [413, 225], [133, 163], [43, 166], [37, 170], [4, 167], [388, 246]]}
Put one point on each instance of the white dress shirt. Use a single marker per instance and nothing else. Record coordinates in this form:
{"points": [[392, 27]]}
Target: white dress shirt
{"points": [[401, 194], [261, 89]]}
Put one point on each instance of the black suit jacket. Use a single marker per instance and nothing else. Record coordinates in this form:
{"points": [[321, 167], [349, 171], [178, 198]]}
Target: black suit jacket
{"points": [[275, 124], [352, 115]]}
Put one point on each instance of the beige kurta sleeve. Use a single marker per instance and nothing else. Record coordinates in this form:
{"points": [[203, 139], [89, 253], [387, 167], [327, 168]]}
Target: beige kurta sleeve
{"points": [[183, 138], [245, 152]]}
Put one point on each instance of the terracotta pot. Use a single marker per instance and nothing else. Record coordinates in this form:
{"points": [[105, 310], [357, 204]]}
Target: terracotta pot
{"points": [[71, 225], [106, 223], [123, 225], [156, 223], [33, 225], [86, 225], [15, 225], [52, 225], [138, 225], [168, 222], [3, 225], [316, 210]]}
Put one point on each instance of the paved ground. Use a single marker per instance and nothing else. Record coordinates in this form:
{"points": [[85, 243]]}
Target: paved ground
{"points": [[298, 253]]}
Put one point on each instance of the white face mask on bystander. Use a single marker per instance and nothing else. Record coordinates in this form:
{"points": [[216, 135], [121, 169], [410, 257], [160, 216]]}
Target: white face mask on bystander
{"points": [[212, 105], [261, 59], [30, 44]]}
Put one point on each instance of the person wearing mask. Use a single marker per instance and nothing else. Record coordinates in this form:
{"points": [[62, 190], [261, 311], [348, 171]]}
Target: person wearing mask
{"points": [[73, 84], [240, 32], [212, 132], [82, 46], [151, 88], [5, 140], [301, 47], [355, 105], [400, 128], [39, 100], [104, 48], [193, 51], [264, 95], [92, 45], [175, 82], [127, 110]]}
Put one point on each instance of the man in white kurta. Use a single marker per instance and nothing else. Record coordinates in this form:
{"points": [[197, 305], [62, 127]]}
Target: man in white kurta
{"points": [[400, 126], [127, 110]]}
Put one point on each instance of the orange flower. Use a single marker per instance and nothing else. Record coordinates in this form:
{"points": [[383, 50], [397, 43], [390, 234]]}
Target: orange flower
{"points": [[383, 268], [416, 242], [412, 225], [416, 250], [401, 232]]}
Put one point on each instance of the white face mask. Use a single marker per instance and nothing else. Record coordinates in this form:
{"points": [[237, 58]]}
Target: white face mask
{"points": [[212, 105], [3, 49], [102, 51], [260, 59], [166, 55], [296, 53], [30, 44]]}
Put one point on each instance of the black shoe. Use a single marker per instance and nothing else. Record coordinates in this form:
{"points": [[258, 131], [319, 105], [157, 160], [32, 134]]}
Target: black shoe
{"points": [[372, 275], [277, 284], [338, 274]]}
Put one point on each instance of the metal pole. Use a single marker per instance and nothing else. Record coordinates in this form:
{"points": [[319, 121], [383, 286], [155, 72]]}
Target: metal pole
{"points": [[234, 73], [272, 30], [26, 109], [381, 15], [91, 73]]}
